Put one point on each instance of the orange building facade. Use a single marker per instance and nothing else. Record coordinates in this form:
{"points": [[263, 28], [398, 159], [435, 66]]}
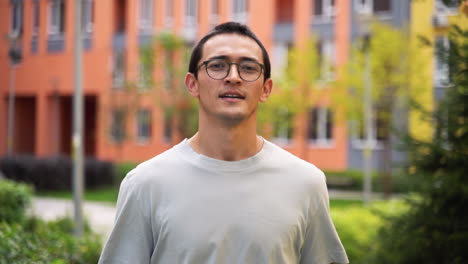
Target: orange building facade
{"points": [[114, 31]]}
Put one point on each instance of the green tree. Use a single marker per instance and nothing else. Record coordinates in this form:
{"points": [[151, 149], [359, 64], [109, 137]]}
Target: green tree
{"points": [[295, 91], [435, 229], [380, 71], [178, 104]]}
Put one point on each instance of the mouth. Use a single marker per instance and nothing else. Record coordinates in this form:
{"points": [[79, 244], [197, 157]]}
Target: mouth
{"points": [[232, 96]]}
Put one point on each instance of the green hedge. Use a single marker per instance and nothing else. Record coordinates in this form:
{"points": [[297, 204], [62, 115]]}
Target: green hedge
{"points": [[30, 240], [14, 199], [358, 227], [353, 180], [42, 242]]}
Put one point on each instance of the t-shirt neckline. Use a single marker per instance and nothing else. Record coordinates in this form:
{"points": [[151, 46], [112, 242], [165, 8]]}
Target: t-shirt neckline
{"points": [[209, 163]]}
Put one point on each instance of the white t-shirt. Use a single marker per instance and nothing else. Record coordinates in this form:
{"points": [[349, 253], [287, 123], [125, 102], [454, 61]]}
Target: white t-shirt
{"points": [[183, 207]]}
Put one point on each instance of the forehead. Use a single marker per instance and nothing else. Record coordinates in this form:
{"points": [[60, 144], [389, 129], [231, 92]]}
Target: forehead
{"points": [[233, 46]]}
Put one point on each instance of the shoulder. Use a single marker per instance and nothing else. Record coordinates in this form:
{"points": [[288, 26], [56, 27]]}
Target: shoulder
{"points": [[284, 160], [148, 173]]}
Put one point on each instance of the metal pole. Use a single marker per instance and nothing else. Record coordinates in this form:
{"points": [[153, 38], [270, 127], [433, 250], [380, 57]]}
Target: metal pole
{"points": [[11, 112], [77, 138], [369, 126]]}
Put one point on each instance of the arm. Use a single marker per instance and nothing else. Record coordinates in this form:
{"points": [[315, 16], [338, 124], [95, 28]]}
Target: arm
{"points": [[322, 244], [131, 239]]}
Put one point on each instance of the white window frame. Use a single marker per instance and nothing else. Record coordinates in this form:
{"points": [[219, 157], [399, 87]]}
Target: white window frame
{"points": [[145, 18], [169, 10], [442, 8], [143, 118], [361, 143], [441, 68], [328, 9], [118, 73], [328, 60], [364, 7], [214, 13], [284, 137], [36, 18], [191, 12], [239, 11], [17, 14], [280, 58], [54, 14], [87, 13], [115, 126], [321, 125]]}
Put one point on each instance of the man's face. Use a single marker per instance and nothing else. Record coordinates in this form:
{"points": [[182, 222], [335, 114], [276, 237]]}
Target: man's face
{"points": [[230, 98]]}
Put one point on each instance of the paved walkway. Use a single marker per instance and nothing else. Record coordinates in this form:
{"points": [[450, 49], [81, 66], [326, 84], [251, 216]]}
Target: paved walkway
{"points": [[101, 215]]}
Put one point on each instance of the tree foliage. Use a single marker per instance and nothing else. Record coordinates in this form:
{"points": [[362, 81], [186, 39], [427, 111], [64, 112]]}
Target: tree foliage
{"points": [[435, 229]]}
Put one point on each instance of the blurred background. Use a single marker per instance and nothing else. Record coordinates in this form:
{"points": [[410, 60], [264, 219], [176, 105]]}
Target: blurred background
{"points": [[373, 92]]}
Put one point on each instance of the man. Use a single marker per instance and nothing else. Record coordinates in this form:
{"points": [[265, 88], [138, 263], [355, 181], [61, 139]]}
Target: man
{"points": [[225, 195]]}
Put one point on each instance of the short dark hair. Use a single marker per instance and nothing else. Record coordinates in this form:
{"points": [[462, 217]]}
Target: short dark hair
{"points": [[227, 28]]}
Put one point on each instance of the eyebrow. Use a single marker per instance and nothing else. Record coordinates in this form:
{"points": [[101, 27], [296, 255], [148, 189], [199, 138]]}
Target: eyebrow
{"points": [[224, 57]]}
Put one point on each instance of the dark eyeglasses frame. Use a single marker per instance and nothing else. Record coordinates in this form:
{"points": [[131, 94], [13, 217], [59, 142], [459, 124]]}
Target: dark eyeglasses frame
{"points": [[262, 67]]}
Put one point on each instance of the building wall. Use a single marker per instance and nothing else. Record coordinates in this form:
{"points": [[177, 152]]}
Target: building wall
{"points": [[47, 76]]}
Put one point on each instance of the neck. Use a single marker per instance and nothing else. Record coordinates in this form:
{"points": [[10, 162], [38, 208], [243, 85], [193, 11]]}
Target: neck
{"points": [[227, 142]]}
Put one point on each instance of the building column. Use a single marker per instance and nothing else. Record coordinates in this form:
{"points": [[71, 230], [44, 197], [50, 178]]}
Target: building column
{"points": [[43, 124]]}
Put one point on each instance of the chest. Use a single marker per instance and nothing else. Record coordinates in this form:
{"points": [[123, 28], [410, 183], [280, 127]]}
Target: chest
{"points": [[260, 216]]}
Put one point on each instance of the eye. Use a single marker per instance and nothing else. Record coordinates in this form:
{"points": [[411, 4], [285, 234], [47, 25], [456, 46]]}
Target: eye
{"points": [[217, 65], [250, 67]]}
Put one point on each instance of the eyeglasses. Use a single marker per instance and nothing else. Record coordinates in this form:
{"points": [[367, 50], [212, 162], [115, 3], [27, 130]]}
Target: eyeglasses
{"points": [[219, 69]]}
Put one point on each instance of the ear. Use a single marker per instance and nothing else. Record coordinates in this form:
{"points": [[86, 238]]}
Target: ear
{"points": [[192, 84], [266, 91]]}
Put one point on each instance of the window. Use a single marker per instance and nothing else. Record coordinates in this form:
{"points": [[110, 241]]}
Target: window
{"points": [[373, 6], [117, 129], [239, 13], [35, 20], [120, 15], [191, 12], [167, 127], [283, 126], [146, 16], [168, 69], [169, 13], [381, 6], [379, 130], [441, 65], [144, 79], [320, 126], [143, 125], [324, 8], [87, 11], [326, 59], [118, 71], [56, 17], [16, 18], [214, 18], [280, 57]]}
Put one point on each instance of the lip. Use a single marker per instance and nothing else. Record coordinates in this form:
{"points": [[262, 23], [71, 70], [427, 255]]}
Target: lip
{"points": [[237, 96]]}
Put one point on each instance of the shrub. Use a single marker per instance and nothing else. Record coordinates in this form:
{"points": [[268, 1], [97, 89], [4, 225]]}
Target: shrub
{"points": [[123, 168], [358, 227], [40, 242], [435, 229], [14, 199], [55, 173]]}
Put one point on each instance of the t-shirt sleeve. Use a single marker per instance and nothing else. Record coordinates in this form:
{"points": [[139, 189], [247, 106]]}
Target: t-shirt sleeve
{"points": [[322, 244], [131, 239]]}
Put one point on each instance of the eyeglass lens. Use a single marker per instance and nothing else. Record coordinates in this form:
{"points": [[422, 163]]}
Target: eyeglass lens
{"points": [[248, 70]]}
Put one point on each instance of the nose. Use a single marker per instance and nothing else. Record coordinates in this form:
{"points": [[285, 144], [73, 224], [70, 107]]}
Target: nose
{"points": [[233, 74]]}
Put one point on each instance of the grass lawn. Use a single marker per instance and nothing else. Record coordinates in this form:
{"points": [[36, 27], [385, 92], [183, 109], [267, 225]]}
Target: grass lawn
{"points": [[109, 194], [105, 194]]}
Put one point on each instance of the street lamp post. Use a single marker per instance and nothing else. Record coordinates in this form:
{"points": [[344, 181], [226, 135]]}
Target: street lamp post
{"points": [[15, 58], [368, 123], [77, 137]]}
